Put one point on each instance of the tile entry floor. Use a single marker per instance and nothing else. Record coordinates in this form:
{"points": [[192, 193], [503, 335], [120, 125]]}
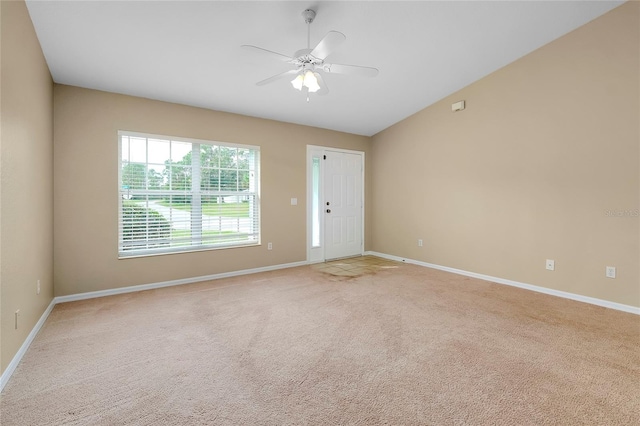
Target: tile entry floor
{"points": [[355, 266]]}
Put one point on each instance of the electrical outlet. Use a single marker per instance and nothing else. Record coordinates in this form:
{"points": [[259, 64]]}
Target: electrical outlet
{"points": [[17, 315], [419, 243], [610, 272], [269, 246], [38, 287], [551, 265]]}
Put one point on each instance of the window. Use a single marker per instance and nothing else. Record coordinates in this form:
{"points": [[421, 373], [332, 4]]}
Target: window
{"points": [[315, 202], [181, 195]]}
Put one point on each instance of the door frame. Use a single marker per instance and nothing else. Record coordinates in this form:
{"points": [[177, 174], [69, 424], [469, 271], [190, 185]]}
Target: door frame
{"points": [[316, 254]]}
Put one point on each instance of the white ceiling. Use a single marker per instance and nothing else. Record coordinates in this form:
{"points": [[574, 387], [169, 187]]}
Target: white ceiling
{"points": [[189, 52]]}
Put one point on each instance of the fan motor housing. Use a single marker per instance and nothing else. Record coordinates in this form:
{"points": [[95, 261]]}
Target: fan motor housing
{"points": [[304, 57]]}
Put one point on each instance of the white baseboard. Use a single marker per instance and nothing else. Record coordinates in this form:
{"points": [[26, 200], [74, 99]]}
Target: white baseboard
{"points": [[538, 289], [6, 375], [142, 287], [93, 294]]}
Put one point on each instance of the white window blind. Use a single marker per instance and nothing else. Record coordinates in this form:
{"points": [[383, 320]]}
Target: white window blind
{"points": [[180, 195]]}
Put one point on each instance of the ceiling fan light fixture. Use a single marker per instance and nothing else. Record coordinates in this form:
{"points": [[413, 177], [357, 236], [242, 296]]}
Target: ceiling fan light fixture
{"points": [[306, 79], [298, 82], [311, 82]]}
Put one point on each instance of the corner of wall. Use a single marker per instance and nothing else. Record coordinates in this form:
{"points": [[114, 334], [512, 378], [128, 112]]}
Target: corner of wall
{"points": [[26, 189]]}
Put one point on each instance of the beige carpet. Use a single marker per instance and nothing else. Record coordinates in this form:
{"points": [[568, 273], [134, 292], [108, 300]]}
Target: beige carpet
{"points": [[381, 343]]}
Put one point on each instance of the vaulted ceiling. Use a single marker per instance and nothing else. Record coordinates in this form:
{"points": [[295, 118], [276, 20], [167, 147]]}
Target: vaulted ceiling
{"points": [[189, 52]]}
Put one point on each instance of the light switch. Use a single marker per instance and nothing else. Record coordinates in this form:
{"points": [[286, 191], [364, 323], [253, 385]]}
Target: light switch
{"points": [[294, 201]]}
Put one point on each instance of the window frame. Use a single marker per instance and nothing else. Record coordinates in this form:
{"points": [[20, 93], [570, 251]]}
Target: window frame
{"points": [[255, 222]]}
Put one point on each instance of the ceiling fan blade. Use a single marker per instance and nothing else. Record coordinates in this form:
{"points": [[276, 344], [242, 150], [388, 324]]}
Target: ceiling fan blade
{"points": [[350, 70], [323, 86], [329, 42], [269, 53], [277, 77]]}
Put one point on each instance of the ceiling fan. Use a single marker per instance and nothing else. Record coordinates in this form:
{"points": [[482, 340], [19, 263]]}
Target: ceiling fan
{"points": [[309, 64]]}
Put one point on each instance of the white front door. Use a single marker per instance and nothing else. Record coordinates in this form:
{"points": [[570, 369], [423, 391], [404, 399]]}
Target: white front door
{"points": [[343, 204], [334, 176]]}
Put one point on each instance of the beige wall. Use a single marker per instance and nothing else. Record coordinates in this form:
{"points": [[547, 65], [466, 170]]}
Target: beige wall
{"points": [[86, 187], [26, 201], [546, 146]]}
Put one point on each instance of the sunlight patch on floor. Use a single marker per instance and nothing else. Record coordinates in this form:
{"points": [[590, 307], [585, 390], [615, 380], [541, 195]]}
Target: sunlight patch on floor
{"points": [[355, 266]]}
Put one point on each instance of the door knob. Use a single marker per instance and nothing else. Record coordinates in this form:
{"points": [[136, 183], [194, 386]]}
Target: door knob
{"points": [[328, 210], [327, 203]]}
